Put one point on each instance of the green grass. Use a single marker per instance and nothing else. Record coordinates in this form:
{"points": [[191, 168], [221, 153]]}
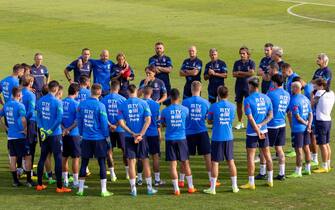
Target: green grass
{"points": [[60, 29]]}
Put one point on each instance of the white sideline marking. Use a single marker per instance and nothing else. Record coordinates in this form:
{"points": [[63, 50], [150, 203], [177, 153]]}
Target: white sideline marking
{"points": [[300, 3]]}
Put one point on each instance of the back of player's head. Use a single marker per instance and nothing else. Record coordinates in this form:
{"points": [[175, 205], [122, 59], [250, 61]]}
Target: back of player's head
{"points": [[73, 89], [254, 81], [83, 79], [273, 65], [245, 49], [277, 51], [297, 79], [17, 67], [222, 92], [278, 79], [26, 80], [321, 83], [96, 89], [268, 45], [132, 88], [147, 90], [324, 57], [16, 91], [115, 85], [174, 94], [53, 86], [196, 86], [45, 89]]}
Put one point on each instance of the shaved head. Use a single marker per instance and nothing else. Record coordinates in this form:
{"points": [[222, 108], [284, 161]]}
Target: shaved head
{"points": [[104, 55]]}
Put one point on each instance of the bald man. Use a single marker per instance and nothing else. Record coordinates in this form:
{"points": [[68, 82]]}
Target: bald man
{"points": [[191, 70], [102, 70]]}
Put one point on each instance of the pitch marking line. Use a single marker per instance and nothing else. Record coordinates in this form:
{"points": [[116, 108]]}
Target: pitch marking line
{"points": [[301, 3]]}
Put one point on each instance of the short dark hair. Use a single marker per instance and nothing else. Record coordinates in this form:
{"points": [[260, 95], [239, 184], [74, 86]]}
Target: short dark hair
{"points": [[115, 84], [274, 65], [322, 83], [222, 91], [73, 89], [132, 88], [254, 81], [245, 48], [16, 91], [268, 45], [96, 87], [53, 85], [26, 80], [25, 66], [174, 94], [17, 67], [45, 89], [83, 79], [278, 79], [150, 68], [286, 66], [159, 43], [296, 79], [147, 90], [84, 50]]}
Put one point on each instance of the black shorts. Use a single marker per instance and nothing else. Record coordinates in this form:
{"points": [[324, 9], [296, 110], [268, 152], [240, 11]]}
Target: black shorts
{"points": [[154, 145], [176, 150], [222, 150], [254, 142], [265, 86], [322, 132], [18, 147], [117, 139], [199, 142], [136, 151], [93, 148], [32, 132], [300, 139], [71, 146], [52, 144], [240, 94], [277, 136]]}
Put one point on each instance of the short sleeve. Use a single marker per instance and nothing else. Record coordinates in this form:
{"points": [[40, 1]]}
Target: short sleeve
{"points": [[72, 66], [210, 115], [147, 112], [247, 108]]}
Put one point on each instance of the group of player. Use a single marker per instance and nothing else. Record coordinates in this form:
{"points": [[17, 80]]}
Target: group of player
{"points": [[92, 120]]}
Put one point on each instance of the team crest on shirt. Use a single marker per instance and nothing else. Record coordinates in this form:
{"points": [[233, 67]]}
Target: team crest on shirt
{"points": [[42, 71], [217, 65], [163, 59], [156, 85], [108, 66]]}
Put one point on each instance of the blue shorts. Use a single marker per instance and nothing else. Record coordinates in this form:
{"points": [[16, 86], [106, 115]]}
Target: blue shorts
{"points": [[300, 139], [222, 150], [117, 139], [93, 148], [240, 94], [32, 132], [52, 144], [176, 150], [154, 145], [18, 147], [199, 142], [136, 151], [71, 146], [254, 142], [277, 136], [322, 131]]}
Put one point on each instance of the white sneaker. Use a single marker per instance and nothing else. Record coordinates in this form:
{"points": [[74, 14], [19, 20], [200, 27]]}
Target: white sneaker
{"points": [[239, 126]]}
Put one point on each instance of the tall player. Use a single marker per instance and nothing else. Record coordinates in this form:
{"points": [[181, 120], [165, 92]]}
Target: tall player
{"points": [[79, 67]]}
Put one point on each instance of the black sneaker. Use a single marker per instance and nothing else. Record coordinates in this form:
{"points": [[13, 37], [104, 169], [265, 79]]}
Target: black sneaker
{"points": [[30, 184], [260, 177], [280, 177], [17, 184]]}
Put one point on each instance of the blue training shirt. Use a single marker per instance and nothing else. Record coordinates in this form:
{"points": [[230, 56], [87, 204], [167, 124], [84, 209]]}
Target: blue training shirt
{"points": [[222, 114], [113, 103], [174, 117], [29, 102], [6, 86], [155, 117], [83, 94], [14, 111], [289, 82], [258, 105], [299, 104], [102, 72], [134, 111], [92, 120], [280, 99], [198, 109], [70, 107]]}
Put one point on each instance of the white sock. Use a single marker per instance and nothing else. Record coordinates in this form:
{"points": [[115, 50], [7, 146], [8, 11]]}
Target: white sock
{"points": [[281, 169], [111, 170], [127, 171], [75, 179], [24, 164], [149, 183], [308, 167], [132, 184], [325, 165], [209, 175], [32, 173], [213, 183], [190, 182], [234, 181], [103, 183], [298, 170], [65, 177], [262, 169], [251, 180], [157, 176], [270, 176], [175, 184], [81, 185], [181, 177], [139, 176], [315, 157], [87, 170], [328, 163]]}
